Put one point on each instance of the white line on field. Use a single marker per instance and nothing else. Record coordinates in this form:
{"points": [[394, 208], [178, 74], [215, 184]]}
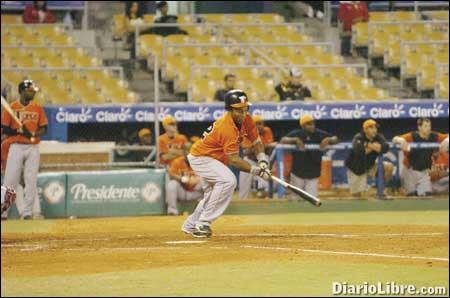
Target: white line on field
{"points": [[186, 242], [332, 235], [347, 253]]}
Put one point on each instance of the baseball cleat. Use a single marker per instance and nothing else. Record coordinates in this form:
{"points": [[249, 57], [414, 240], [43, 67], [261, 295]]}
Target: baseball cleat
{"points": [[202, 231]]}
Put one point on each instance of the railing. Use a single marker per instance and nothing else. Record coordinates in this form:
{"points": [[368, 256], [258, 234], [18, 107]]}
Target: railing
{"points": [[148, 163], [280, 67], [117, 69], [90, 50], [220, 26], [279, 150]]}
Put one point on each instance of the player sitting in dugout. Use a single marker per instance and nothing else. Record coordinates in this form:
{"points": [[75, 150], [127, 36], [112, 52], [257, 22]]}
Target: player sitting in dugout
{"points": [[184, 184], [418, 162], [246, 180], [367, 146], [171, 143], [306, 165]]}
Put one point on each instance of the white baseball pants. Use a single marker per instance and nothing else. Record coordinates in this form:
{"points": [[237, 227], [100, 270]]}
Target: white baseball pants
{"points": [[219, 183], [175, 192]]}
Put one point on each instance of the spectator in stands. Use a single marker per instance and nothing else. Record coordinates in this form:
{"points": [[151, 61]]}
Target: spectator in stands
{"points": [[293, 89], [418, 162], [133, 18], [38, 13], [184, 184], [166, 18], [171, 143], [367, 146], [306, 167], [230, 81], [350, 13], [439, 173], [246, 180]]}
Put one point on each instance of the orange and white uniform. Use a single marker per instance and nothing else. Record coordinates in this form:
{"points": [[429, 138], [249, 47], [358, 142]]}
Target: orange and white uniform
{"points": [[246, 180], [23, 154], [209, 158], [189, 189], [166, 143]]}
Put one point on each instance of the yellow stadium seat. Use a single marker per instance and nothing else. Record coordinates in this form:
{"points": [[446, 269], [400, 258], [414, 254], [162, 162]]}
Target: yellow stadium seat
{"points": [[360, 34], [204, 39], [203, 60], [377, 44], [372, 94], [437, 36], [148, 18], [30, 40], [17, 30], [340, 72], [214, 17], [411, 63], [379, 16], [296, 37], [400, 16], [8, 40], [11, 19], [60, 40], [327, 59], [426, 77], [174, 66], [215, 51], [150, 44], [442, 88], [177, 38], [184, 18], [238, 18], [231, 60], [266, 18], [203, 90], [441, 57], [245, 73]]}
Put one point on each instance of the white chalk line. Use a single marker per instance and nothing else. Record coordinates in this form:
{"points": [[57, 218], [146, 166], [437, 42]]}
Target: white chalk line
{"points": [[186, 242], [347, 253], [331, 235]]}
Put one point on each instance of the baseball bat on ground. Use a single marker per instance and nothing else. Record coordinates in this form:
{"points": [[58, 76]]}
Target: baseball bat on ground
{"points": [[300, 192], [13, 115]]}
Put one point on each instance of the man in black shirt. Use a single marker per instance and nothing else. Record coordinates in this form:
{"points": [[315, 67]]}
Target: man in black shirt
{"points": [[230, 80], [367, 146], [293, 89], [166, 18], [306, 165]]}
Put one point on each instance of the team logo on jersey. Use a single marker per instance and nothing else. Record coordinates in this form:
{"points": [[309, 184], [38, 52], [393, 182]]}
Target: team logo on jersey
{"points": [[151, 192], [54, 192], [28, 116]]}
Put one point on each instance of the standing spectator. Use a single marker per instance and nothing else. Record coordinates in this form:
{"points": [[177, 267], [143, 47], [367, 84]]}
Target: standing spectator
{"points": [[418, 162], [306, 166], [367, 146], [184, 184], [293, 89], [246, 180], [350, 13], [38, 13], [171, 143], [230, 81], [23, 157], [133, 18]]}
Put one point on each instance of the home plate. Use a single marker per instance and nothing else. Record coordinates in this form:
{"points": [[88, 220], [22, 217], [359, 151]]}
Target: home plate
{"points": [[186, 242]]}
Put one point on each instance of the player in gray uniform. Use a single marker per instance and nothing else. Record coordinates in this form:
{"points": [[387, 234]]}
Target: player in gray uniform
{"points": [[23, 155]]}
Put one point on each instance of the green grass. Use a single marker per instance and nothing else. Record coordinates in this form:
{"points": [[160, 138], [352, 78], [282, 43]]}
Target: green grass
{"points": [[281, 278]]}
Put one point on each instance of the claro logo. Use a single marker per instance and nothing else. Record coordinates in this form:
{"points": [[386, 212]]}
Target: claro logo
{"points": [[64, 116]]}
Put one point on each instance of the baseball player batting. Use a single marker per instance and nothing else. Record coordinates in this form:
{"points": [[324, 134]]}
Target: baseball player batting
{"points": [[211, 156], [24, 137]]}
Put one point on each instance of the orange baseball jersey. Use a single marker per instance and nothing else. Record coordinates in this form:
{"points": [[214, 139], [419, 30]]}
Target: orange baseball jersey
{"points": [[5, 150], [32, 116], [266, 138], [166, 143], [440, 159], [180, 167], [223, 138]]}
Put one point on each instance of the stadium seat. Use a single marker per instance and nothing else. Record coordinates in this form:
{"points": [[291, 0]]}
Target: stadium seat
{"points": [[426, 77], [203, 90], [150, 44]]}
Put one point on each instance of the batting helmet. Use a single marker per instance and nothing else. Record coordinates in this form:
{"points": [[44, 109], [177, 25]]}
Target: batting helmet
{"points": [[236, 99], [27, 84]]}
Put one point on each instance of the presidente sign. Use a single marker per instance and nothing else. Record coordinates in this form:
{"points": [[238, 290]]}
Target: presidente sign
{"points": [[190, 112]]}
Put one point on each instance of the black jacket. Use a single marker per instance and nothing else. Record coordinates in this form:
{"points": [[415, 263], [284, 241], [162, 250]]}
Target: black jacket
{"points": [[358, 161]]}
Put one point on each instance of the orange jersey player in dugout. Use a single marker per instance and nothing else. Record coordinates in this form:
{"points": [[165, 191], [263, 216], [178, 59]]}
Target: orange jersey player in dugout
{"points": [[171, 143], [211, 156]]}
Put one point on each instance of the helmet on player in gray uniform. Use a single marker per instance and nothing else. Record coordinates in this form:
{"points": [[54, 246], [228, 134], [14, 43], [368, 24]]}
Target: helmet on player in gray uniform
{"points": [[236, 99]]}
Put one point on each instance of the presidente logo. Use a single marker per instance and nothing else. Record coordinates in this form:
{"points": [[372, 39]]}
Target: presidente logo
{"points": [[279, 113], [54, 192], [437, 110], [380, 112], [352, 112], [318, 112], [80, 192], [66, 116], [109, 116]]}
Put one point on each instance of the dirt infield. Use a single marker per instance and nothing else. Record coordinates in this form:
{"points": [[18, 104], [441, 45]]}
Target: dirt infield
{"points": [[53, 257]]}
